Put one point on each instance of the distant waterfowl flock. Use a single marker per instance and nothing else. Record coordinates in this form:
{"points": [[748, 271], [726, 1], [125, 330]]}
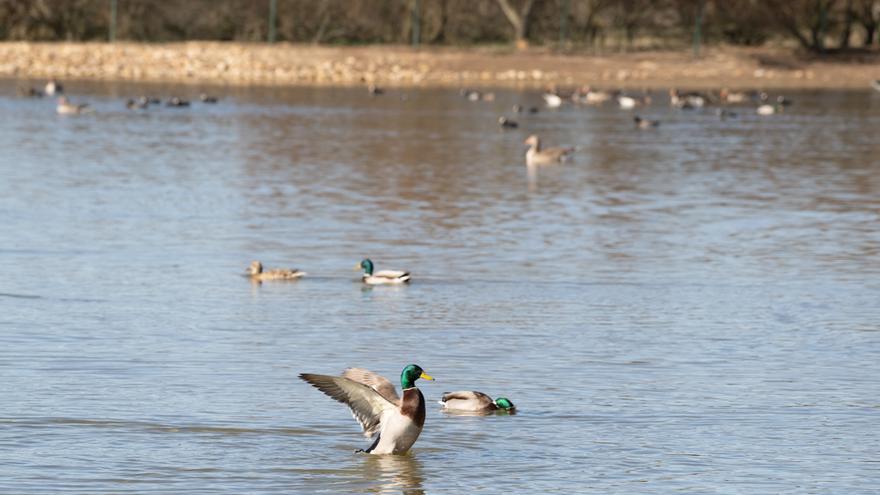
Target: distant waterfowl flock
{"points": [[65, 106]]}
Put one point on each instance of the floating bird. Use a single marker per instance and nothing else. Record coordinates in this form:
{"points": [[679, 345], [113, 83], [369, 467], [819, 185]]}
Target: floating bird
{"points": [[473, 401], [725, 114], [176, 102], [552, 100], [630, 102], [768, 109], [65, 107], [29, 92], [687, 100], [374, 90], [53, 87], [256, 272], [727, 96], [382, 277], [520, 109], [395, 422], [139, 104], [593, 97], [876, 84], [470, 94], [643, 123], [206, 98], [538, 156], [506, 123]]}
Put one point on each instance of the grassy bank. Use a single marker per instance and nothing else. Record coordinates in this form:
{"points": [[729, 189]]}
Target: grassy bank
{"points": [[286, 64]]}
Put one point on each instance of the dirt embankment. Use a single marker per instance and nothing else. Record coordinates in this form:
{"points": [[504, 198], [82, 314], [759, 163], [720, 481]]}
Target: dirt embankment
{"points": [[284, 64]]}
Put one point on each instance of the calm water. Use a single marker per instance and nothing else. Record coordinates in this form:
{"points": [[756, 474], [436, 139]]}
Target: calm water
{"points": [[692, 309]]}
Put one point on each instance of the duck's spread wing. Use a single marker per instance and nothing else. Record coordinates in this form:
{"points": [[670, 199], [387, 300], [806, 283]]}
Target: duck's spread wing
{"points": [[375, 381], [367, 406]]}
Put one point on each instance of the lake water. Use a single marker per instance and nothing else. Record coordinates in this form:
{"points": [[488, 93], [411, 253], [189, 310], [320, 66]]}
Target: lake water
{"points": [[689, 309]]}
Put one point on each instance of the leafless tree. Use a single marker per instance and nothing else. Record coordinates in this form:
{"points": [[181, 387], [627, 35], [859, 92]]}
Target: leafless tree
{"points": [[518, 18]]}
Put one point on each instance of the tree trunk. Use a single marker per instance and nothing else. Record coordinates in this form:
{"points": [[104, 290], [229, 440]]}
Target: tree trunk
{"points": [[848, 16], [519, 20]]}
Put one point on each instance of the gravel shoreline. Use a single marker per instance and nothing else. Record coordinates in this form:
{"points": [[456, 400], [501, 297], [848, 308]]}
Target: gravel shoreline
{"points": [[308, 65]]}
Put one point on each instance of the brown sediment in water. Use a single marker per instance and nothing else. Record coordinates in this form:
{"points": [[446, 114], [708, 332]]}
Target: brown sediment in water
{"points": [[287, 64]]}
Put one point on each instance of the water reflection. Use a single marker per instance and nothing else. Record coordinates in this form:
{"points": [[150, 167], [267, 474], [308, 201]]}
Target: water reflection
{"points": [[393, 474]]}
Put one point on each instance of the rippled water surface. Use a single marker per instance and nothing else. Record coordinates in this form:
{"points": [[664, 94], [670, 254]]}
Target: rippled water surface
{"points": [[690, 309]]}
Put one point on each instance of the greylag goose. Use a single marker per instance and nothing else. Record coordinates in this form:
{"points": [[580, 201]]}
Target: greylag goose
{"points": [[541, 156]]}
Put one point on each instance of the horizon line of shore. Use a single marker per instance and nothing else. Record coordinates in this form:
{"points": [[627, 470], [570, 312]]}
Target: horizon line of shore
{"points": [[242, 64]]}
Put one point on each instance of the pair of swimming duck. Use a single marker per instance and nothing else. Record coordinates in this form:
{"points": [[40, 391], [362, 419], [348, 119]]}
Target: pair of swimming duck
{"points": [[370, 277], [395, 422]]}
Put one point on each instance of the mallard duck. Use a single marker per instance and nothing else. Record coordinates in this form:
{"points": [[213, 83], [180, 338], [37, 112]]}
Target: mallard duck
{"points": [[591, 96], [65, 107], [396, 422], [643, 123], [539, 156], [629, 102], [176, 102], [381, 277], [768, 109], [29, 92], [256, 272], [552, 100], [506, 123], [687, 100], [139, 104], [473, 401], [53, 87]]}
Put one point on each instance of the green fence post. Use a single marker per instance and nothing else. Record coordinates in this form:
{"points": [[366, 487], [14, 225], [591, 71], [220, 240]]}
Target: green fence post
{"points": [[273, 14], [698, 28], [416, 23], [113, 11], [563, 21]]}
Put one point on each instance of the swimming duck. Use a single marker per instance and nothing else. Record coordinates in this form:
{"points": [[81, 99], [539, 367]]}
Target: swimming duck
{"points": [[538, 156], [206, 98], [395, 423], [552, 100], [473, 401], [382, 277], [642, 123], [876, 84], [65, 107], [374, 90], [725, 114], [687, 100], [591, 96], [520, 109], [506, 123], [629, 102], [29, 92], [138, 104], [256, 272], [176, 102], [727, 96], [53, 87], [768, 109]]}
